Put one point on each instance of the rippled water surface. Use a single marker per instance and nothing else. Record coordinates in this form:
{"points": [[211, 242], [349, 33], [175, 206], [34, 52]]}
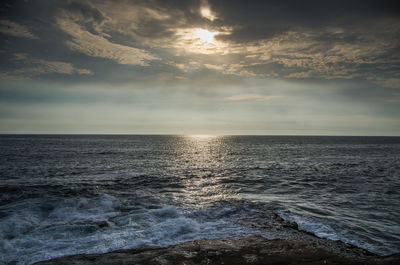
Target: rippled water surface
{"points": [[64, 195]]}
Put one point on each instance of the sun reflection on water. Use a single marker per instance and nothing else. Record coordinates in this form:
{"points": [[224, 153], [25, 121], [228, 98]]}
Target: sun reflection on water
{"points": [[202, 136], [203, 160]]}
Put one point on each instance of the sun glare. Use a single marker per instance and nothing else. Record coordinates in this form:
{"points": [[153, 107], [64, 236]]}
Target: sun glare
{"points": [[202, 136], [204, 35], [200, 40]]}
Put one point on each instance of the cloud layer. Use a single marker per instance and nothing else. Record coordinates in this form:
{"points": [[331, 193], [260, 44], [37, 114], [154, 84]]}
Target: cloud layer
{"points": [[286, 39], [98, 46], [238, 63], [8, 27]]}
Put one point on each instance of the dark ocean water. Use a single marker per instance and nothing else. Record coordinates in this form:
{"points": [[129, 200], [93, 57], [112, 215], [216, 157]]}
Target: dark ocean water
{"points": [[63, 195]]}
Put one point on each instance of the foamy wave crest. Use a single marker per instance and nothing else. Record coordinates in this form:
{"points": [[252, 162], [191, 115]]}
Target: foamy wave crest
{"points": [[39, 229], [309, 225], [321, 229]]}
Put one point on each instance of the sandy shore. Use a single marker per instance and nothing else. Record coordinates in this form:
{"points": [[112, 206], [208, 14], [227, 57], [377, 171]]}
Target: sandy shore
{"points": [[248, 250]]}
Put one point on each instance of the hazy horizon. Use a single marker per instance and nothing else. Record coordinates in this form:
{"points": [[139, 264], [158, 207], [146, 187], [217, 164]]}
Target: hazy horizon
{"points": [[193, 135]]}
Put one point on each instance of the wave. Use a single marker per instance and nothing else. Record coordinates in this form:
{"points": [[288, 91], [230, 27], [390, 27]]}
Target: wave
{"points": [[322, 229], [39, 229]]}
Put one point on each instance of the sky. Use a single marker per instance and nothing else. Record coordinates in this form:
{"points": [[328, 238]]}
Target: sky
{"points": [[200, 67]]}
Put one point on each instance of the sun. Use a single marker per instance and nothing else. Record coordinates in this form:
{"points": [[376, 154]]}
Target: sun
{"points": [[205, 36], [200, 40]]}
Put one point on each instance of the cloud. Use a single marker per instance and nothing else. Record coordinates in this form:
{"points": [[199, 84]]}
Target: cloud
{"points": [[44, 67], [35, 67], [299, 75], [8, 27], [86, 12], [19, 57], [241, 97], [238, 69], [386, 82], [266, 19], [136, 23], [308, 54], [265, 39], [239, 39], [206, 12], [97, 46]]}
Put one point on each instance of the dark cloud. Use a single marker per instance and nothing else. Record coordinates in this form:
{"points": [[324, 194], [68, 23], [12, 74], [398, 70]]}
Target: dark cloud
{"points": [[262, 19], [86, 12]]}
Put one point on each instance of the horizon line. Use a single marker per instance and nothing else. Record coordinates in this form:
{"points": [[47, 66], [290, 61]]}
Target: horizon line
{"points": [[208, 134]]}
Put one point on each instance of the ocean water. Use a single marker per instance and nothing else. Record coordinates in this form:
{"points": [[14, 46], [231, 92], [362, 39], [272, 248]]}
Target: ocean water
{"points": [[63, 195]]}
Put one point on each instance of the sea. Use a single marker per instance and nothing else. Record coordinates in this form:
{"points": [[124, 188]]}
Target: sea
{"points": [[69, 194]]}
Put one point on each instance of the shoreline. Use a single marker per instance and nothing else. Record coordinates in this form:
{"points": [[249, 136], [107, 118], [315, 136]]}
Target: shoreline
{"points": [[246, 250]]}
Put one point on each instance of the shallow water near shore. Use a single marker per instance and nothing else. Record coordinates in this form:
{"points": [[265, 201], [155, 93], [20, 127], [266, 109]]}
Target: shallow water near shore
{"points": [[63, 195]]}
